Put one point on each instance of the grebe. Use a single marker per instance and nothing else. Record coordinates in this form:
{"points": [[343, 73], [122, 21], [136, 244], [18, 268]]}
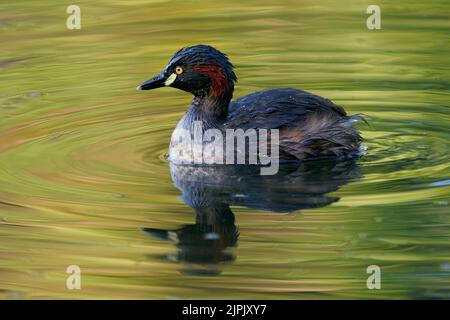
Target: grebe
{"points": [[309, 126]]}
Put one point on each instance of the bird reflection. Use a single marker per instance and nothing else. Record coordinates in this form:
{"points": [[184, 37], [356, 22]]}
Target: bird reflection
{"points": [[211, 190]]}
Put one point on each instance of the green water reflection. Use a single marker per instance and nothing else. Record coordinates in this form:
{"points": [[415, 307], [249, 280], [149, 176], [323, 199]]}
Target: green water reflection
{"points": [[82, 166]]}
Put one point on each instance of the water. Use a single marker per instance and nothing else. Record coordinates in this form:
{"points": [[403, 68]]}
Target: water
{"points": [[84, 181]]}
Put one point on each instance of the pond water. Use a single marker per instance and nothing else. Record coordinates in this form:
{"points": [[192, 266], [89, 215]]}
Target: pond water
{"points": [[84, 180]]}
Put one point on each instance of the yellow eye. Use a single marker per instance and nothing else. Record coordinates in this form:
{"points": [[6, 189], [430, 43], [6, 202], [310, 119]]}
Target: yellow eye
{"points": [[179, 70]]}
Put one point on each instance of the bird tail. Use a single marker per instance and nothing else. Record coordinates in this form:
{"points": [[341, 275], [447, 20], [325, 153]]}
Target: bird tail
{"points": [[322, 135]]}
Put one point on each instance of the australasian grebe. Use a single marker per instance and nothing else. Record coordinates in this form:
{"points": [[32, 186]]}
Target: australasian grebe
{"points": [[309, 126]]}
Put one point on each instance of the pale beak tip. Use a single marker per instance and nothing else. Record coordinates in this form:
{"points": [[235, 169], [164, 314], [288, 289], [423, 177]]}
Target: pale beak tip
{"points": [[139, 88]]}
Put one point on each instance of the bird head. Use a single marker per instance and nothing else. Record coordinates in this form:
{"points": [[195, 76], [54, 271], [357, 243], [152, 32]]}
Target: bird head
{"points": [[201, 70]]}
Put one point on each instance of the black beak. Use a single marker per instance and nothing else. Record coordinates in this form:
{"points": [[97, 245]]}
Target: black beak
{"points": [[153, 83]]}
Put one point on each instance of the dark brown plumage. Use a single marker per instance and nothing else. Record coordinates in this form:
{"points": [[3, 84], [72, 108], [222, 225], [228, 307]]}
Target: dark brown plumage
{"points": [[309, 126]]}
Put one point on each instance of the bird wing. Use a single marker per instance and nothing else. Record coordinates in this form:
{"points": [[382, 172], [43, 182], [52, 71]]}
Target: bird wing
{"points": [[275, 108]]}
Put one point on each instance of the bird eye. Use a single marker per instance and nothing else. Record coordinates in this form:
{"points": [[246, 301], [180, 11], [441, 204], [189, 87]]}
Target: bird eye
{"points": [[179, 70]]}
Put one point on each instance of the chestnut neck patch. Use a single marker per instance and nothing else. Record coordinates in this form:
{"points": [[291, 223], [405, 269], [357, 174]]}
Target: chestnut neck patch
{"points": [[218, 76]]}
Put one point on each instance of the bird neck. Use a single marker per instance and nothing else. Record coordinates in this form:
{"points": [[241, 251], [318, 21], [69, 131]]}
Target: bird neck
{"points": [[212, 106]]}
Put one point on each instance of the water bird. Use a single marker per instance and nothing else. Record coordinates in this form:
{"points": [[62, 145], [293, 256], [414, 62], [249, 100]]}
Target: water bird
{"points": [[309, 126]]}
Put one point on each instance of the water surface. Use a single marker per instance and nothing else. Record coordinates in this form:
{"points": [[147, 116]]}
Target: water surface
{"points": [[84, 181]]}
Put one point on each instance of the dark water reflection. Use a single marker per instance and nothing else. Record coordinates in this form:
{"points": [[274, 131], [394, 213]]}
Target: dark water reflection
{"points": [[212, 191]]}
